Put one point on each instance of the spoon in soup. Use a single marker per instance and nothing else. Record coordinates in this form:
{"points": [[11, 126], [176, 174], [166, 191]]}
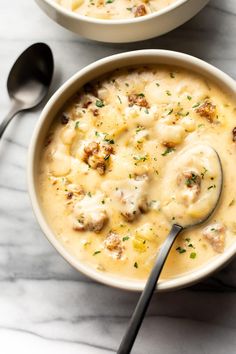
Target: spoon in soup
{"points": [[190, 197], [29, 80]]}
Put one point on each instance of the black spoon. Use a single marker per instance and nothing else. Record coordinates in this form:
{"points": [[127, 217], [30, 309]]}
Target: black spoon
{"points": [[145, 298], [29, 80]]}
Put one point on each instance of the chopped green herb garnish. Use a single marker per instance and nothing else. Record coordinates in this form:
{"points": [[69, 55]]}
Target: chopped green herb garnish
{"points": [[77, 124], [125, 238], [119, 99], [191, 245], [168, 93], [189, 97], [99, 103], [140, 158], [109, 141], [193, 255], [172, 75], [182, 114], [180, 250], [157, 84], [191, 180], [167, 151], [135, 265], [170, 111], [96, 252], [213, 186], [203, 173], [196, 105], [139, 128]]}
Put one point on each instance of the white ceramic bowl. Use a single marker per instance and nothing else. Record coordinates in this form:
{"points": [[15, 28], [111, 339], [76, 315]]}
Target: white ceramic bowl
{"points": [[54, 105], [124, 30]]}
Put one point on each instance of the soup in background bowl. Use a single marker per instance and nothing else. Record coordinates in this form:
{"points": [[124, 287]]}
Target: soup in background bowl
{"points": [[102, 156], [114, 9], [102, 21]]}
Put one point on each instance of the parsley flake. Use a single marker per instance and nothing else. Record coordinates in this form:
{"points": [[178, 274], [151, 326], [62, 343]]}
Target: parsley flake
{"points": [[125, 238], [99, 103], [180, 250], [96, 252], [193, 255], [168, 150]]}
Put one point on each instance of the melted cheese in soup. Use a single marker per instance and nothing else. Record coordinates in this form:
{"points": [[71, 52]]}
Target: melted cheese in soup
{"points": [[114, 9], [116, 165]]}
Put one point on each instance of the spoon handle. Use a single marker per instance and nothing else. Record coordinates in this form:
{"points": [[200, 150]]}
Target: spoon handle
{"points": [[142, 305], [15, 108]]}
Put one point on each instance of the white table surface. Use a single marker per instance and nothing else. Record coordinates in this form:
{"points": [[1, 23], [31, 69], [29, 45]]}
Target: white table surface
{"points": [[45, 305]]}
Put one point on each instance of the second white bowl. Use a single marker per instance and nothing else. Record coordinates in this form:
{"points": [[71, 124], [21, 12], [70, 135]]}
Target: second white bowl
{"points": [[125, 30]]}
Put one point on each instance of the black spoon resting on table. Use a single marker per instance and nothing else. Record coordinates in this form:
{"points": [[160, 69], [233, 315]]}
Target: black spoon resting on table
{"points": [[29, 80], [145, 298]]}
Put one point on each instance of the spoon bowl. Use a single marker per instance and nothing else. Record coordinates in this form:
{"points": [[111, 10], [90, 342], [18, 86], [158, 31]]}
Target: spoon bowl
{"points": [[187, 199], [29, 80], [31, 75]]}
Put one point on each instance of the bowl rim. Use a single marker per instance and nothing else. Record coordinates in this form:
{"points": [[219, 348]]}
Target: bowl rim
{"points": [[99, 21], [181, 281]]}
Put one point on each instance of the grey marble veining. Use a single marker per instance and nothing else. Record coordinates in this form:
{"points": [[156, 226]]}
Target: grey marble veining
{"points": [[45, 305]]}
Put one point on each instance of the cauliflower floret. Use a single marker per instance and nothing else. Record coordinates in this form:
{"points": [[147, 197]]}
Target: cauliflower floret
{"points": [[188, 124], [141, 135], [90, 214], [143, 115], [130, 195], [71, 4], [60, 161], [170, 135], [68, 133]]}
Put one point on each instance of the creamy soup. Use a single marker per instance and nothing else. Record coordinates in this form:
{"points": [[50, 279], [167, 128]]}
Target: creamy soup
{"points": [[128, 156], [114, 9]]}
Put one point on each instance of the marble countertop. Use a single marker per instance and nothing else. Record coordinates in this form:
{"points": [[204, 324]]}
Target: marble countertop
{"points": [[45, 305]]}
